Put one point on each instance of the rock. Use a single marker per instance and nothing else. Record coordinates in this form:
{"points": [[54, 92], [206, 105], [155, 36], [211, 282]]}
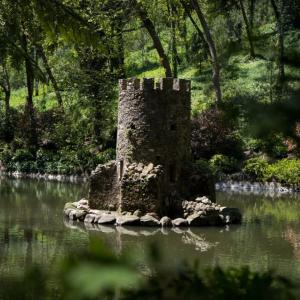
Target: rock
{"points": [[137, 213], [147, 169], [83, 202], [89, 218], [70, 205], [111, 207], [97, 212], [77, 214], [67, 211], [205, 220], [128, 220], [198, 220], [80, 215], [231, 215], [152, 214], [83, 207], [72, 214], [180, 222], [107, 219], [140, 167], [148, 220], [165, 222], [203, 200]]}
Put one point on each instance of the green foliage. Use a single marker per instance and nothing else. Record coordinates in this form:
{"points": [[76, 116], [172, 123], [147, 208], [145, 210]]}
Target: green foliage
{"points": [[222, 164], [256, 168], [64, 162], [212, 133], [203, 166], [286, 171]]}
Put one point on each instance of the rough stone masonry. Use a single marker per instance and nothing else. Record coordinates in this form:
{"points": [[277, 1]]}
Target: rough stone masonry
{"points": [[153, 171]]}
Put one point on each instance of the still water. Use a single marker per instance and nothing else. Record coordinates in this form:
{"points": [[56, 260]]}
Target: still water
{"points": [[33, 231]]}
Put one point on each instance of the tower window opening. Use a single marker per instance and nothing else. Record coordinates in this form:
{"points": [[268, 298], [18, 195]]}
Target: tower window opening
{"points": [[121, 169], [173, 127]]}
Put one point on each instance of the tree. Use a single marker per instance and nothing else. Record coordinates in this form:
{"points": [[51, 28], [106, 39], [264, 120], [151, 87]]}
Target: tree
{"points": [[142, 13], [278, 9], [51, 76], [248, 28], [212, 49]]}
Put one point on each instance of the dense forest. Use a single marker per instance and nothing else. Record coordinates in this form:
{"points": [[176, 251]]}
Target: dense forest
{"points": [[60, 62]]}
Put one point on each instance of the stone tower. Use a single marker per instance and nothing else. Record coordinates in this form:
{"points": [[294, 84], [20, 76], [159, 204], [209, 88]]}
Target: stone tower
{"points": [[152, 167], [154, 124]]}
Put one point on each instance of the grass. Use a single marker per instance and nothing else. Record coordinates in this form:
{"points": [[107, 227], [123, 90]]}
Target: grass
{"points": [[44, 101]]}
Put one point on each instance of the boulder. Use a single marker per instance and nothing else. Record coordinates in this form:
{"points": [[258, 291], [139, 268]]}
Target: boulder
{"points": [[203, 200], [230, 215], [148, 220], [128, 220], [153, 214], [83, 207], [107, 219], [165, 222], [70, 205], [67, 211], [198, 220], [77, 214], [137, 213], [180, 222], [83, 202], [90, 218]]}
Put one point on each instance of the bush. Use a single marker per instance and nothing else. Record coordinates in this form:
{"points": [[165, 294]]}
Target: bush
{"points": [[212, 134], [66, 161], [256, 168], [222, 164], [285, 171]]}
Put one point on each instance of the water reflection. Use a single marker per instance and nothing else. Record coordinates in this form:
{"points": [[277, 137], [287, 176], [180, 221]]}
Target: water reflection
{"points": [[33, 231], [185, 235]]}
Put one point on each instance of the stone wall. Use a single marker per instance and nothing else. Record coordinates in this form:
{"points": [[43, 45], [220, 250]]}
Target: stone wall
{"points": [[105, 187]]}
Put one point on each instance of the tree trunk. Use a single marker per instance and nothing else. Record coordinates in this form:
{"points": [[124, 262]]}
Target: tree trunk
{"points": [[252, 12], [248, 29], [200, 33], [212, 51], [155, 38], [51, 77], [280, 40], [5, 84], [171, 9], [29, 103]]}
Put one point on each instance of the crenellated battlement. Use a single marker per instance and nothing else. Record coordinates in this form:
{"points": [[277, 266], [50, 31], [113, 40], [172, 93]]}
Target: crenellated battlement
{"points": [[149, 84]]}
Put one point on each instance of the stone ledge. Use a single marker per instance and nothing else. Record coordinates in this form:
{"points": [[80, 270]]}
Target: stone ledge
{"points": [[200, 212]]}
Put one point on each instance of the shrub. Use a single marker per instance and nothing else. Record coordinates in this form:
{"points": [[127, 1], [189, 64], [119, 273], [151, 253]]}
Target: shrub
{"points": [[285, 171], [212, 134], [222, 164], [256, 168]]}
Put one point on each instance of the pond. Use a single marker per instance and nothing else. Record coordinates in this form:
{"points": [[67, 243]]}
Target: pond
{"points": [[33, 231]]}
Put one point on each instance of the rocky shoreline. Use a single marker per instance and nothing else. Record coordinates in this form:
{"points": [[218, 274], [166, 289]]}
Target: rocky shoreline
{"points": [[48, 177], [256, 187], [200, 212]]}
